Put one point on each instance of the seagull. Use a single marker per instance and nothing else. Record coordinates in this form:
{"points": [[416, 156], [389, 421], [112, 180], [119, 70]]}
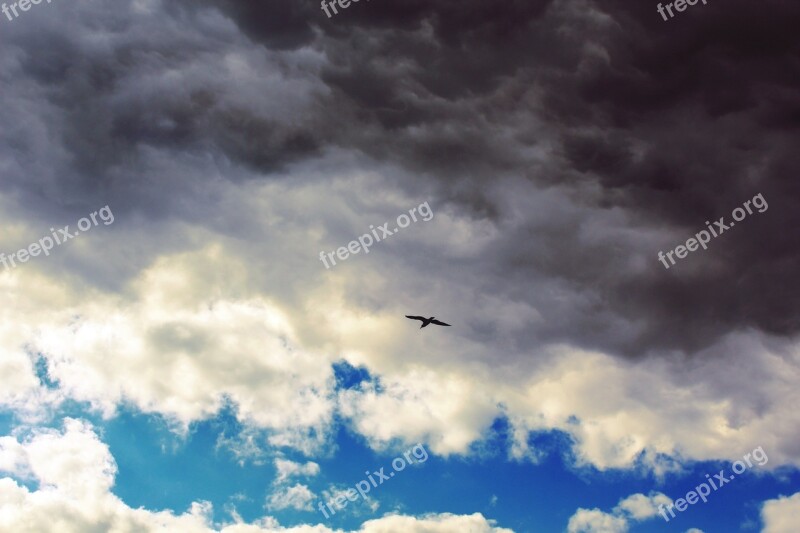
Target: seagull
{"points": [[427, 321]]}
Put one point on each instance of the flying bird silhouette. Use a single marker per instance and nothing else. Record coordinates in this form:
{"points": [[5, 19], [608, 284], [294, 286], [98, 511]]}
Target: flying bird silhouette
{"points": [[427, 321]]}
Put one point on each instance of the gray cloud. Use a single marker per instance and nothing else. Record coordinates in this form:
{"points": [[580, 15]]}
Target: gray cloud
{"points": [[637, 130]]}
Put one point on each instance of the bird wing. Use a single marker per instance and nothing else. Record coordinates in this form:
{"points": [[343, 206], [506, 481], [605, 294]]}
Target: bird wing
{"points": [[417, 318], [439, 323]]}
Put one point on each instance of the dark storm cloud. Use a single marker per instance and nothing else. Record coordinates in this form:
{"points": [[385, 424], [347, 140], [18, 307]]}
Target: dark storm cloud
{"points": [[673, 123], [278, 24], [678, 121], [114, 102], [703, 92]]}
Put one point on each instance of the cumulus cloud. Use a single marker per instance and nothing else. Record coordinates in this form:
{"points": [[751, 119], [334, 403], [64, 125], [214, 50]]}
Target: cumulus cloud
{"points": [[75, 472], [288, 469], [173, 354], [634, 508], [414, 407], [638, 507], [781, 515], [441, 523], [297, 497], [619, 415], [596, 521]]}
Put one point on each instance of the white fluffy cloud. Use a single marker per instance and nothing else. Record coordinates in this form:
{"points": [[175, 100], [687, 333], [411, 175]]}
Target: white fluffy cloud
{"points": [[639, 507], [596, 521], [781, 515], [74, 461], [172, 348], [443, 523], [619, 414], [634, 508], [297, 496], [75, 472], [621, 411], [415, 406], [19, 386], [288, 469]]}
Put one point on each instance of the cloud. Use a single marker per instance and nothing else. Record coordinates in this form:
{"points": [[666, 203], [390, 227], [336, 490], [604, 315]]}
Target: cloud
{"points": [[781, 515], [556, 173], [360, 507], [634, 508], [75, 472], [73, 460], [419, 403], [180, 340], [288, 469], [622, 176], [618, 415], [297, 497], [441, 523], [586, 110], [596, 521], [638, 507], [173, 355]]}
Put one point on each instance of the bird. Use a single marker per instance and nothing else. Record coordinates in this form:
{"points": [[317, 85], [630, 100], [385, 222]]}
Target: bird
{"points": [[427, 321]]}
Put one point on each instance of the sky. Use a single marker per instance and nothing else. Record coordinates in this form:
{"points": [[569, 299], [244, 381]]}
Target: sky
{"points": [[215, 216]]}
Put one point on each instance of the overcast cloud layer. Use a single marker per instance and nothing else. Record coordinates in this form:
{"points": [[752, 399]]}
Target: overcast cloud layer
{"points": [[560, 145]]}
